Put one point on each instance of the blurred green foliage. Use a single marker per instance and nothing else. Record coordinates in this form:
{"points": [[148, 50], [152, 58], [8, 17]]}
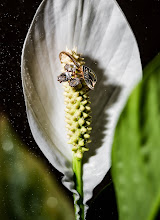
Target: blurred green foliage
{"points": [[136, 150], [27, 191]]}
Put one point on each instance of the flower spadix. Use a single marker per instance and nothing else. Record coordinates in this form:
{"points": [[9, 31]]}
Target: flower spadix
{"points": [[77, 102], [101, 33]]}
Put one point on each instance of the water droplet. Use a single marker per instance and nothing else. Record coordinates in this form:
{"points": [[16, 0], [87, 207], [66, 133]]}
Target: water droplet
{"points": [[52, 202], [7, 145]]}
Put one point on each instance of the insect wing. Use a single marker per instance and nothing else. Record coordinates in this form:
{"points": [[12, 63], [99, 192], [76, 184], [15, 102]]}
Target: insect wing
{"points": [[68, 75], [70, 68], [64, 77], [90, 77], [74, 82]]}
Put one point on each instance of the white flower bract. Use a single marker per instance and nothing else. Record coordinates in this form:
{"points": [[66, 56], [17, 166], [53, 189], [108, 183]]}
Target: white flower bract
{"points": [[101, 33]]}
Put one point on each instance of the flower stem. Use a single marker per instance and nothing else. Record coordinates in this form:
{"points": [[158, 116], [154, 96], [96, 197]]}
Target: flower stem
{"points": [[77, 169]]}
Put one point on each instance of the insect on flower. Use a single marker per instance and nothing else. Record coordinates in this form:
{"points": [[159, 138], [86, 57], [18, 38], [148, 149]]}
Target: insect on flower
{"points": [[75, 73]]}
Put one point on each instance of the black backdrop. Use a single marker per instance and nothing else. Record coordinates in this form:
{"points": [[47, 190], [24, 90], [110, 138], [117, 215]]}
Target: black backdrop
{"points": [[15, 19]]}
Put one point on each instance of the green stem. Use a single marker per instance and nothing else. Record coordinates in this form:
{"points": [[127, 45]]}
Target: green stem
{"points": [[77, 169]]}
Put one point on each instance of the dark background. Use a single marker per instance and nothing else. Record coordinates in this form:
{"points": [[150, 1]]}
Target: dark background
{"points": [[15, 19]]}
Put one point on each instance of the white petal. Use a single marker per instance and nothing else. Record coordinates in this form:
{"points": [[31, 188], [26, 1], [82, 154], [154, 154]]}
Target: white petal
{"points": [[118, 70], [101, 33]]}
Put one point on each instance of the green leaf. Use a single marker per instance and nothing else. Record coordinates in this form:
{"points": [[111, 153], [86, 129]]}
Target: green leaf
{"points": [[136, 150], [27, 190]]}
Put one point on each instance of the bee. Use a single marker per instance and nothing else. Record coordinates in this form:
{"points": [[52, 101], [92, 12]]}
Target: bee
{"points": [[75, 73]]}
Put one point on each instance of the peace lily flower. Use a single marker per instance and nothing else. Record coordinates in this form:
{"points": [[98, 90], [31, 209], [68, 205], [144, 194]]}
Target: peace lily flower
{"points": [[100, 32]]}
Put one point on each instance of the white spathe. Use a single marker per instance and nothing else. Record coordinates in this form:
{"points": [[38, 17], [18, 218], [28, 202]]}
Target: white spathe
{"points": [[101, 33]]}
